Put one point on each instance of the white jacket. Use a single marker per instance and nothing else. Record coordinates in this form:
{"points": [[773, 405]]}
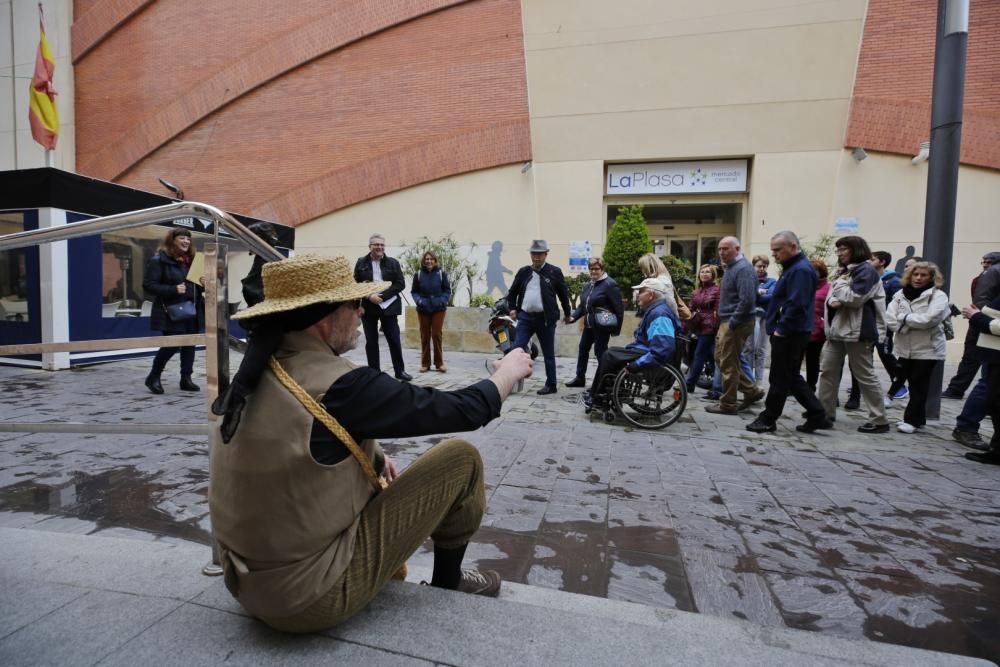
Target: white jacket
{"points": [[917, 324]]}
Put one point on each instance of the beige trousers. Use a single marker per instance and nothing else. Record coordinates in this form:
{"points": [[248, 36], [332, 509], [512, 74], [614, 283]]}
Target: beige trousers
{"points": [[441, 494], [831, 367], [728, 343]]}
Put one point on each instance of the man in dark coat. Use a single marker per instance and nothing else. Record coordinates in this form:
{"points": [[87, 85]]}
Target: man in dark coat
{"points": [[790, 318], [532, 299], [384, 307], [987, 324]]}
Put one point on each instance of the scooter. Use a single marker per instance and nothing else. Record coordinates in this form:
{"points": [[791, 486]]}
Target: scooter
{"points": [[502, 327]]}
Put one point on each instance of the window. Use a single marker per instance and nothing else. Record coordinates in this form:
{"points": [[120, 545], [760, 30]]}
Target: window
{"points": [[13, 273]]}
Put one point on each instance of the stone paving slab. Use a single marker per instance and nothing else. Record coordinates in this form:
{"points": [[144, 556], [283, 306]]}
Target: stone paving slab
{"points": [[83, 621], [893, 538]]}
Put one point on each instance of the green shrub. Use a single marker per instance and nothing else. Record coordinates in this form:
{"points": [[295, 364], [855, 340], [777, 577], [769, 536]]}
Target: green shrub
{"points": [[458, 264], [479, 300], [681, 272], [575, 284], [628, 240]]}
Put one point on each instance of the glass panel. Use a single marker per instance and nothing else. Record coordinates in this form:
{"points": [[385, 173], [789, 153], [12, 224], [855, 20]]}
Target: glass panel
{"points": [[13, 273], [709, 250], [685, 249]]}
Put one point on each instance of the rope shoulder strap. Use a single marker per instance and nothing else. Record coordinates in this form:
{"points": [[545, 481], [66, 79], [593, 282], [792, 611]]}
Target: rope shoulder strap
{"points": [[325, 418]]}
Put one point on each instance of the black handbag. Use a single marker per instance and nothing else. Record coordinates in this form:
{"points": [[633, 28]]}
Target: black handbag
{"points": [[604, 320], [181, 311]]}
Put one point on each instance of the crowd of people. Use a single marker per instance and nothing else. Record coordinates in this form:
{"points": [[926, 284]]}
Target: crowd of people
{"points": [[311, 517]]}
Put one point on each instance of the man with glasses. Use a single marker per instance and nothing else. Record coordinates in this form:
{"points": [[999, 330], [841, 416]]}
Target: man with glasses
{"points": [[969, 365], [384, 307]]}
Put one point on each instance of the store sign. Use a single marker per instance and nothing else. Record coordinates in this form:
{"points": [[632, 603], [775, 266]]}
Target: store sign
{"points": [[661, 178]]}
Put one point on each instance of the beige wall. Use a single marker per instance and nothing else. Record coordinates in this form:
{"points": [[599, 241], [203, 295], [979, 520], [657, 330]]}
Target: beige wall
{"points": [[480, 207], [18, 45]]}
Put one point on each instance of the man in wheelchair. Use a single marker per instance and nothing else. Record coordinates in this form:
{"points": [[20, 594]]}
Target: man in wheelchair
{"points": [[654, 343]]}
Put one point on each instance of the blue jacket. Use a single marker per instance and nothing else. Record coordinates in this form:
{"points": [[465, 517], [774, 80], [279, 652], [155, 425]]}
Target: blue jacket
{"points": [[764, 300], [793, 304], [431, 290], [655, 335], [602, 294], [891, 284], [163, 275]]}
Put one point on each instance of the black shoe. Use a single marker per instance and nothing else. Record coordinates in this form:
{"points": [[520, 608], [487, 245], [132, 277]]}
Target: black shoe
{"points": [[761, 425], [690, 389], [712, 396], [704, 382], [871, 427], [991, 455], [578, 381], [547, 389], [853, 403], [970, 440], [404, 376], [813, 425], [948, 393], [187, 385], [153, 383]]}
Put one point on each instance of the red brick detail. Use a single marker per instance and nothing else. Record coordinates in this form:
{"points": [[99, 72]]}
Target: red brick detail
{"points": [[317, 36], [437, 96], [479, 148], [898, 126], [96, 20], [890, 110]]}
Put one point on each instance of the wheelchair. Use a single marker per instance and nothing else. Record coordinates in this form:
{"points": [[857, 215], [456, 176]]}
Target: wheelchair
{"points": [[652, 398]]}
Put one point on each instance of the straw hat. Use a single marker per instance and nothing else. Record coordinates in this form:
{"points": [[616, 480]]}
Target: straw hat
{"points": [[301, 281]]}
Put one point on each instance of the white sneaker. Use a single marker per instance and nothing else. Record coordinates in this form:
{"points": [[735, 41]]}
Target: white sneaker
{"points": [[887, 402], [903, 427]]}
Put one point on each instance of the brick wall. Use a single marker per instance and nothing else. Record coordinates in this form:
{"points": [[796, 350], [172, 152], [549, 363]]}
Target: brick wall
{"points": [[891, 109], [292, 110]]}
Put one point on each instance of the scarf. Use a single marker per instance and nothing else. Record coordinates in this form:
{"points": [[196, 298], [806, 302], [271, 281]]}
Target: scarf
{"points": [[911, 292]]}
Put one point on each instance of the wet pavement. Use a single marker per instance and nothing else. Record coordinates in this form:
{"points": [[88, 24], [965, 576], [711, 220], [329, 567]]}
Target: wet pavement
{"points": [[895, 538]]}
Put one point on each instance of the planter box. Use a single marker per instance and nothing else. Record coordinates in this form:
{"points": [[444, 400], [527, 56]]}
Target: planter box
{"points": [[465, 331]]}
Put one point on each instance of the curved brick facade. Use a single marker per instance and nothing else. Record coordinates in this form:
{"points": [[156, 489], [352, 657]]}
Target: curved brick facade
{"points": [[891, 109], [316, 111]]}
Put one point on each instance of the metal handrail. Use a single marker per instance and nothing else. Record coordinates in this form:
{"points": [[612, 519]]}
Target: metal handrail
{"points": [[147, 216]]}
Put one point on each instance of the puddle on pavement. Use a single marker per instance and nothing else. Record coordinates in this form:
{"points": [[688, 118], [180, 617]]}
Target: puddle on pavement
{"points": [[635, 563], [119, 498]]}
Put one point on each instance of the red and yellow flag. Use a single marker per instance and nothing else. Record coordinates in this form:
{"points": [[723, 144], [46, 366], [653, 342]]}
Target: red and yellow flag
{"points": [[42, 114]]}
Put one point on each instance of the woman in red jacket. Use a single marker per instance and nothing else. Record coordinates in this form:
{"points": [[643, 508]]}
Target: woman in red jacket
{"points": [[704, 323], [818, 335]]}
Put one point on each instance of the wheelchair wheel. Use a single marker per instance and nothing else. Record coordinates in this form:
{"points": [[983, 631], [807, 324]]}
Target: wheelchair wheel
{"points": [[653, 398]]}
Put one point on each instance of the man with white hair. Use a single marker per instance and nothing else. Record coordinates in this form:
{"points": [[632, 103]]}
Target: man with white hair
{"points": [[789, 322], [737, 300], [383, 307], [654, 338]]}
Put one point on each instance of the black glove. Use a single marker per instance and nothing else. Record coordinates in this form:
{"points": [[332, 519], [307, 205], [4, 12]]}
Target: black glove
{"points": [[633, 367]]}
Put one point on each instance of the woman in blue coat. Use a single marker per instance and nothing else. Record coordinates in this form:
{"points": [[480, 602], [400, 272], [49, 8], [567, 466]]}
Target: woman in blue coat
{"points": [[431, 292], [166, 279], [600, 293]]}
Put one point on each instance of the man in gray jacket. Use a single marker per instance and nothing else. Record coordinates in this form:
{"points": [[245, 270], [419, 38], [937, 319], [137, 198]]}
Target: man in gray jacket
{"points": [[737, 299]]}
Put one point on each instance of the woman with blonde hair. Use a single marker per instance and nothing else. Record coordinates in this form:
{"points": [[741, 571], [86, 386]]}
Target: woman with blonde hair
{"points": [[704, 322], [916, 314], [652, 267], [176, 304]]}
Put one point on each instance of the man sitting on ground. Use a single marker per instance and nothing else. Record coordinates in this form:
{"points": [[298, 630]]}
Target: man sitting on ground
{"points": [[305, 539], [654, 338]]}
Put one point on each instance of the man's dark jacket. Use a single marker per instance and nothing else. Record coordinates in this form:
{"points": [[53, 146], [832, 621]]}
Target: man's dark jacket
{"points": [[793, 303], [391, 271], [553, 285]]}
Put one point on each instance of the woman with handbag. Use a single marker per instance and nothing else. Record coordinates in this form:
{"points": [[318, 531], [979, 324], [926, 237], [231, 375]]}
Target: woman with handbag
{"points": [[176, 304], [431, 292], [602, 309], [704, 322], [916, 315]]}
